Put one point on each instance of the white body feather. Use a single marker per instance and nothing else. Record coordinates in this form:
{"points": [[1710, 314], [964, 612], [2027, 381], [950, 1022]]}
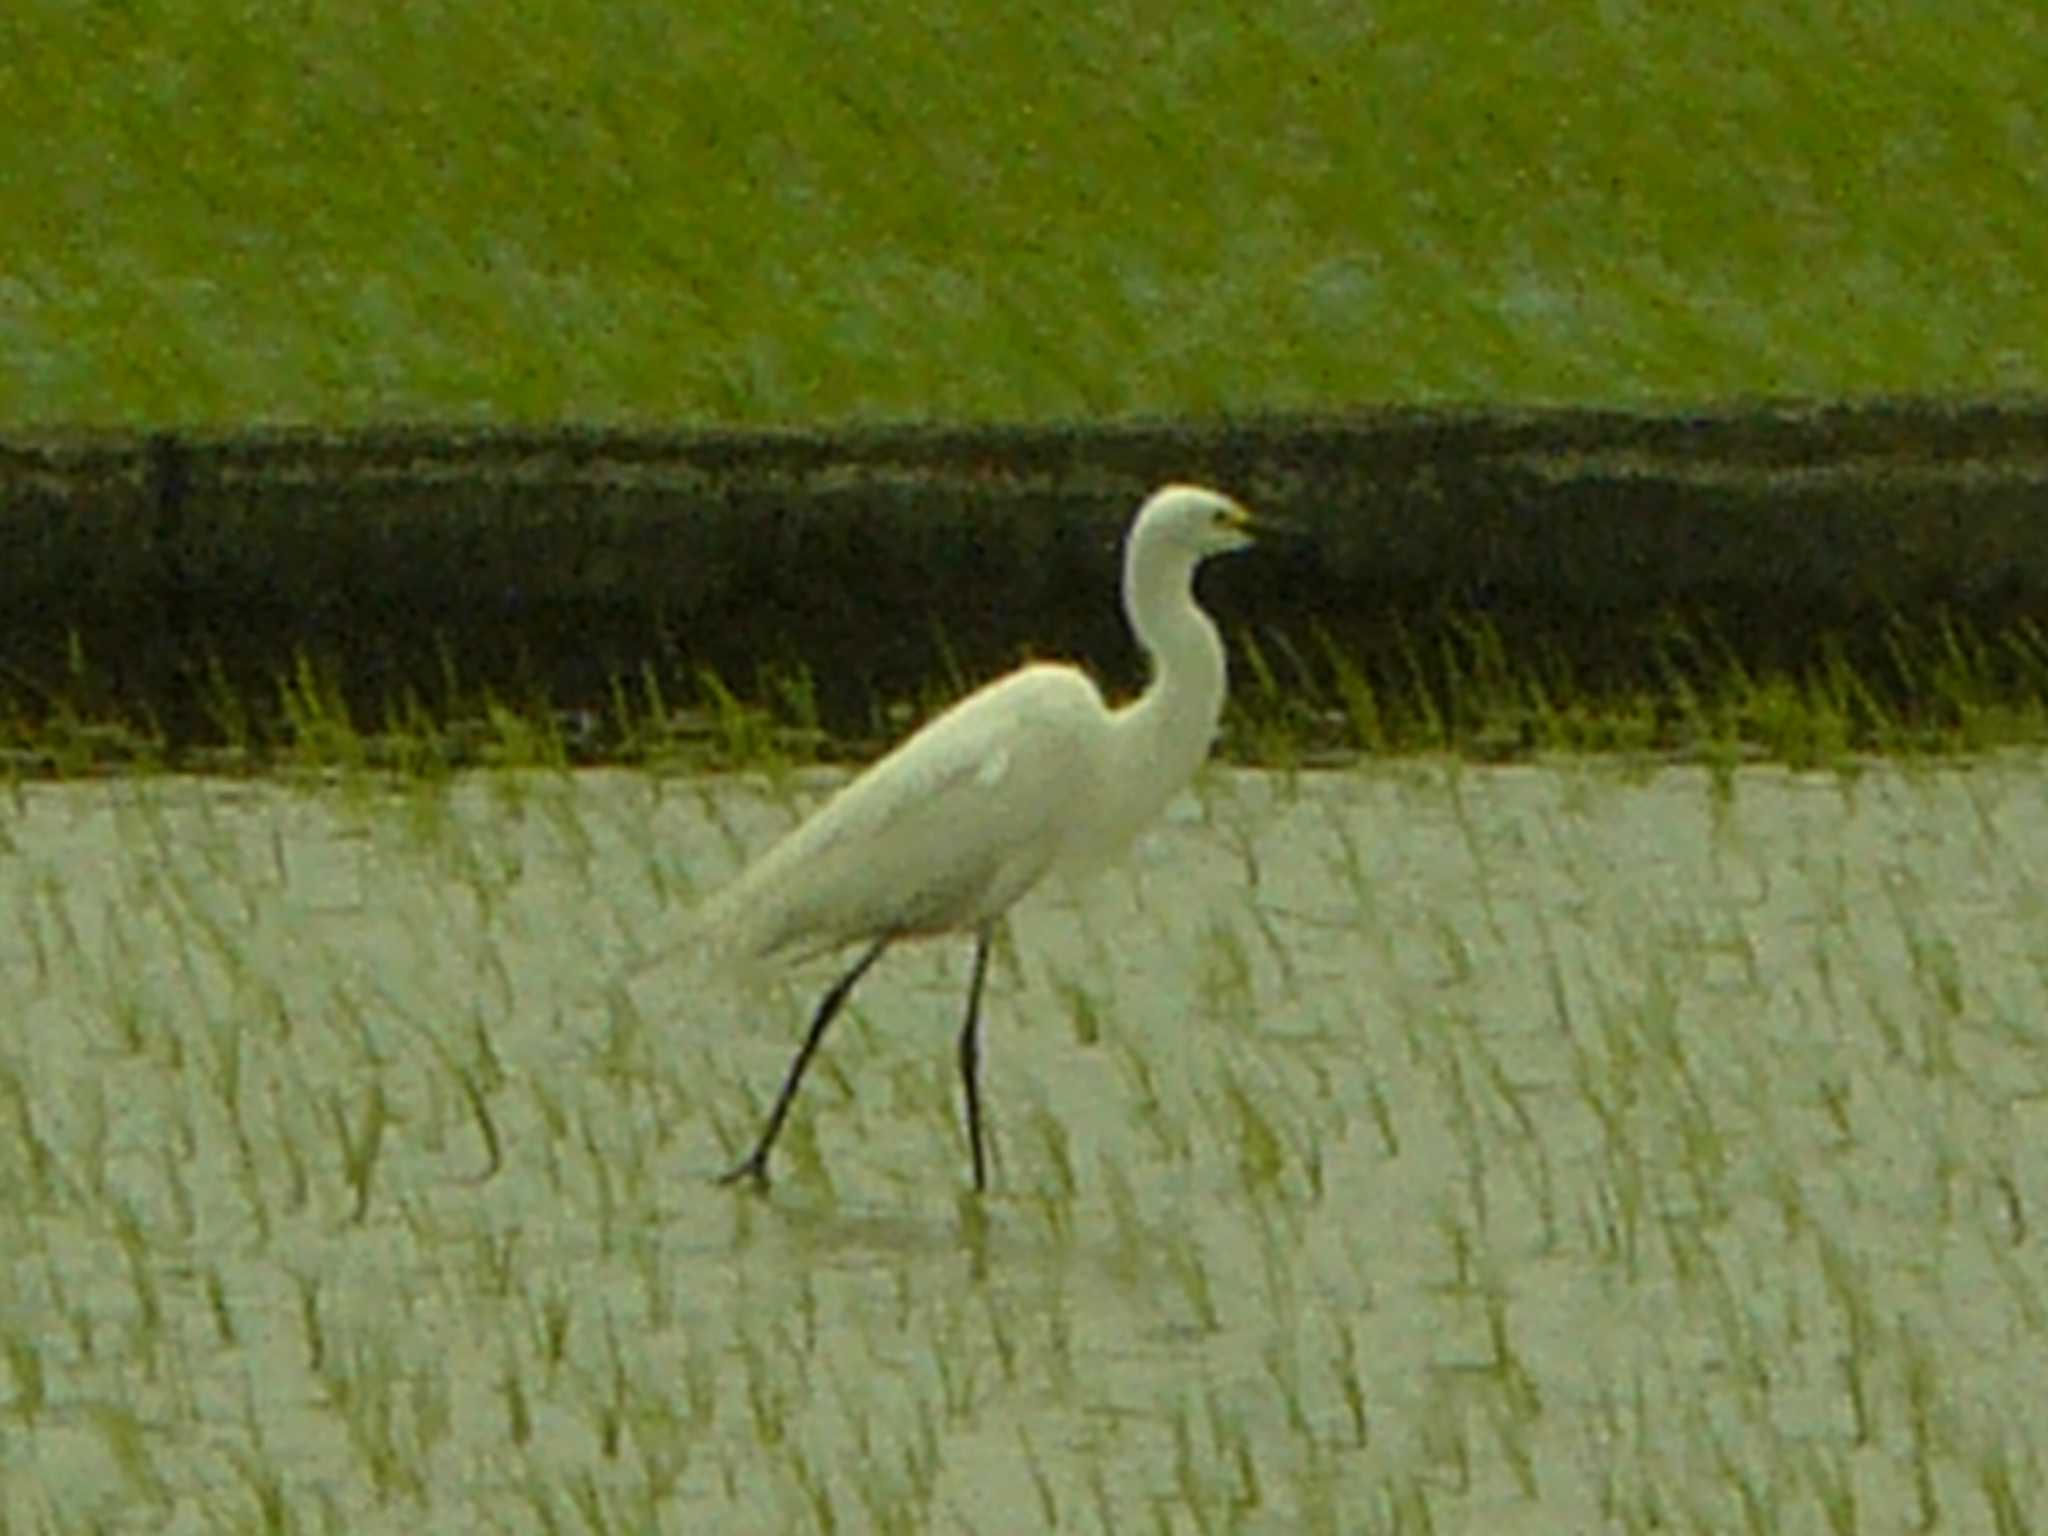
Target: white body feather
{"points": [[945, 832], [1029, 775]]}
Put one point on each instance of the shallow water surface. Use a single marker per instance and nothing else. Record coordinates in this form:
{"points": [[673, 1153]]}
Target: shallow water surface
{"points": [[1421, 1147]]}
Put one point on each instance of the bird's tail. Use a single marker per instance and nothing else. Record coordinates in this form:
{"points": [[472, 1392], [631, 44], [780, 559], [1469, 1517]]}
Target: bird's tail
{"points": [[719, 936]]}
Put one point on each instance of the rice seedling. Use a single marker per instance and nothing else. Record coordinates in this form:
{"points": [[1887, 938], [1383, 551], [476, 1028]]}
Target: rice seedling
{"points": [[1584, 1153]]}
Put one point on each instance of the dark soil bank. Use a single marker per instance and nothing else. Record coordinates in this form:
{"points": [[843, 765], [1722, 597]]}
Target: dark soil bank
{"points": [[169, 579]]}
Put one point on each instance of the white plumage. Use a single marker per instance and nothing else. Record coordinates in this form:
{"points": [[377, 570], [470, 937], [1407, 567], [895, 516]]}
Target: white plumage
{"points": [[1032, 774], [945, 832]]}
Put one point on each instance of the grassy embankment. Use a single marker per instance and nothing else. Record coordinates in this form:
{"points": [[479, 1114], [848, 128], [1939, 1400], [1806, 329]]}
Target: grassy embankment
{"points": [[551, 212]]}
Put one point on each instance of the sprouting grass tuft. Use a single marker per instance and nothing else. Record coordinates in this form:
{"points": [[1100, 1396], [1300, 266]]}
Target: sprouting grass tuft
{"points": [[743, 734], [24, 1355], [320, 730]]}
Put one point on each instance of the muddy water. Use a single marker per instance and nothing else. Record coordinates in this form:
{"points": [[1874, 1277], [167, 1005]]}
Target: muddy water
{"points": [[1553, 1144]]}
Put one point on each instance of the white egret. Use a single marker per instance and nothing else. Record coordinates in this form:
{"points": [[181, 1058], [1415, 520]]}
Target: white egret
{"points": [[1030, 775]]}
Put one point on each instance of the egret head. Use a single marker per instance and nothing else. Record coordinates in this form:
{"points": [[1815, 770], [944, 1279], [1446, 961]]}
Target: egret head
{"points": [[1196, 521]]}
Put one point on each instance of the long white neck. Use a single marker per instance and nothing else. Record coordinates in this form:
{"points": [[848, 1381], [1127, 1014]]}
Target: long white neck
{"points": [[1163, 735]]}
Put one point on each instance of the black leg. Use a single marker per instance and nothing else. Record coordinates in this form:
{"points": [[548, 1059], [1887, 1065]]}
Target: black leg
{"points": [[970, 1057], [755, 1166]]}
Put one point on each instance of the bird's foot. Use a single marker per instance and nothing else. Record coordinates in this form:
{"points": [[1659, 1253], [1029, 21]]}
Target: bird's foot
{"points": [[753, 1170]]}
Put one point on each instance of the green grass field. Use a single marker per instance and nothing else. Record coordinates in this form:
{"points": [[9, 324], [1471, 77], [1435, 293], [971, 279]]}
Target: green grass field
{"points": [[558, 209]]}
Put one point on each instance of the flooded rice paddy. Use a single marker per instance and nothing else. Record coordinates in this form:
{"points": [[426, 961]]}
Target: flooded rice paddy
{"points": [[1420, 1148]]}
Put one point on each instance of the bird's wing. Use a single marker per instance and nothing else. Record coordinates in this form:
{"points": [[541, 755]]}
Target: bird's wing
{"points": [[947, 830]]}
